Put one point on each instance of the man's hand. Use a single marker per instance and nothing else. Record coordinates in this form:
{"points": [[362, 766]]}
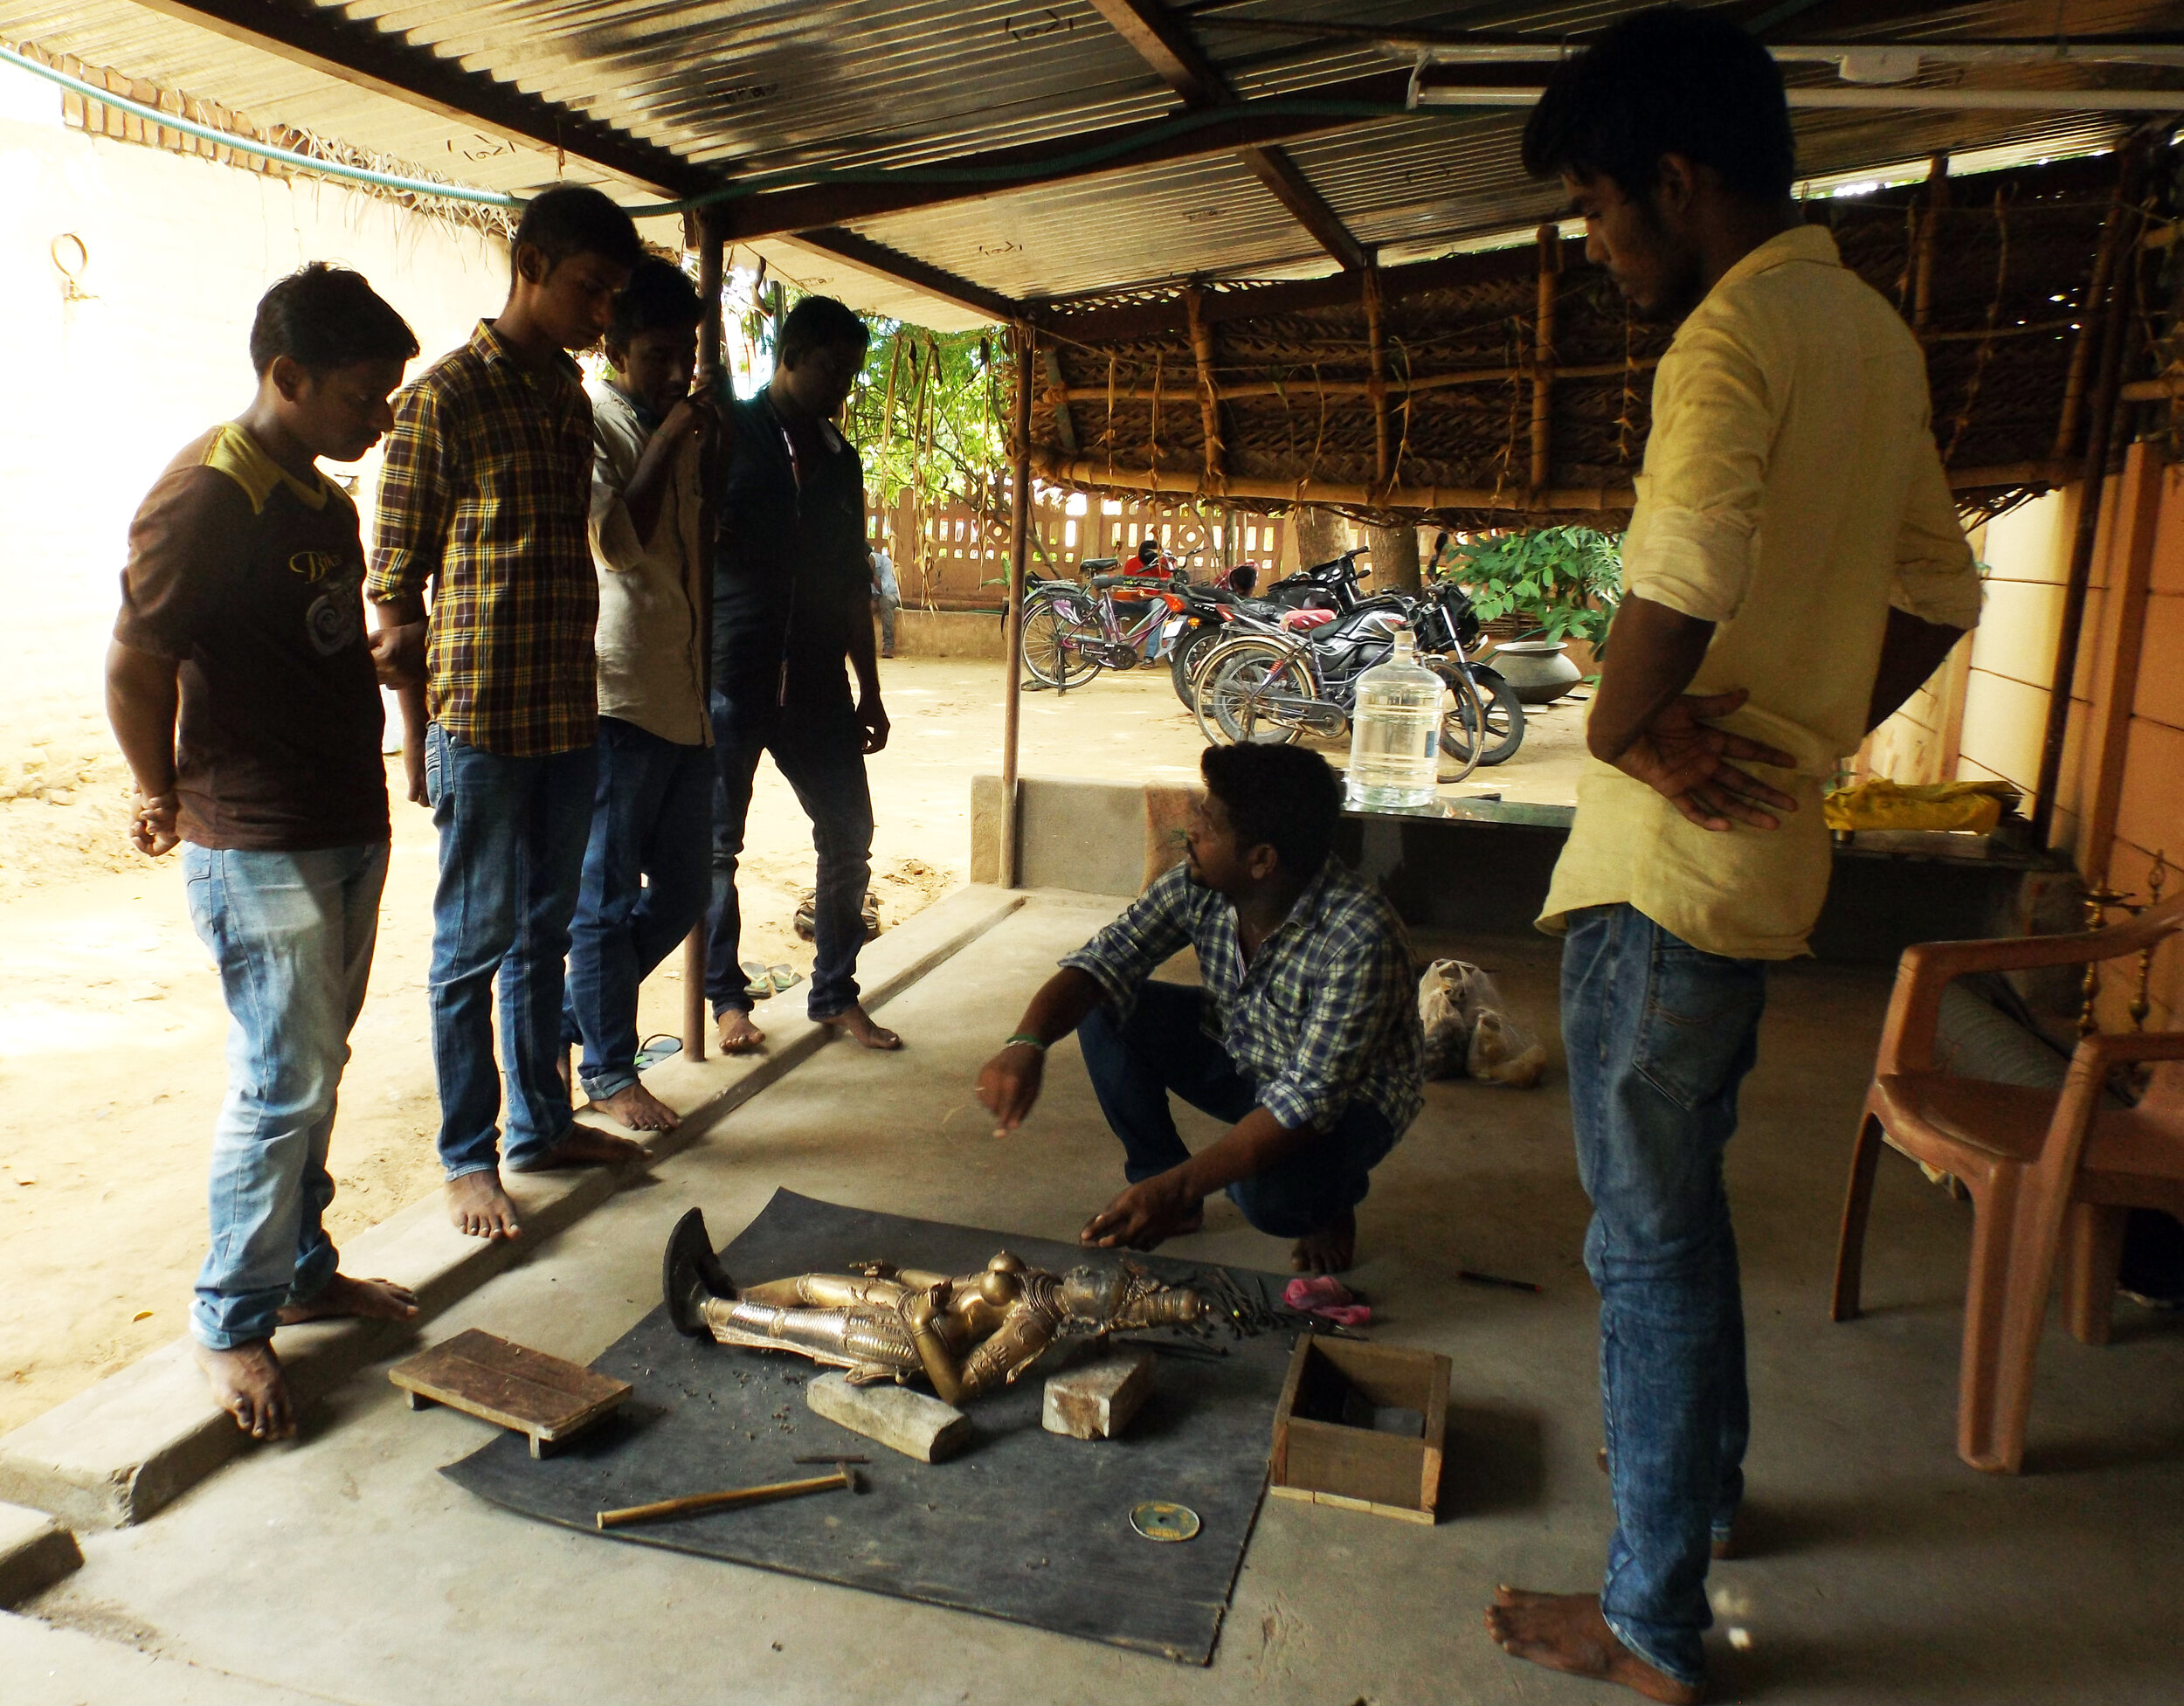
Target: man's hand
{"points": [[413, 772], [872, 717], [152, 827], [1008, 1085], [398, 655], [1683, 759], [692, 418], [1143, 1216]]}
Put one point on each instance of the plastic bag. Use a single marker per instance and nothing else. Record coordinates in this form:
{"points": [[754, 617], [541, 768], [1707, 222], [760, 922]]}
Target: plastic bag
{"points": [[1470, 1032], [1880, 803]]}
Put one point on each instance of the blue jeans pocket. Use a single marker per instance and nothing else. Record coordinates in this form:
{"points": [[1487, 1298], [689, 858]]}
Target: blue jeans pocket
{"points": [[1699, 1012]]}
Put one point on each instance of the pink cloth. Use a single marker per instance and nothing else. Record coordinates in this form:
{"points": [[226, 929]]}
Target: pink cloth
{"points": [[1325, 1294], [1297, 621]]}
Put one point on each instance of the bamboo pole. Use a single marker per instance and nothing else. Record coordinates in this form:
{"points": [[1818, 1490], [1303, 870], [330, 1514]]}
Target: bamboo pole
{"points": [[1377, 377], [711, 256], [1209, 402], [2115, 314], [1543, 378], [1084, 471], [1929, 236], [2081, 353], [1019, 534]]}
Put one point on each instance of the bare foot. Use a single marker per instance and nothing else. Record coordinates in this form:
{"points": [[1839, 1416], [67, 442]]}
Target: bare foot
{"points": [[857, 1024], [366, 1300], [638, 1108], [1327, 1249], [247, 1384], [580, 1146], [477, 1205], [1565, 1632], [738, 1035]]}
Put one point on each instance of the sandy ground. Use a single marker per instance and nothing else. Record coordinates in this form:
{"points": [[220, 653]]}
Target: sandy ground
{"points": [[112, 1029]]}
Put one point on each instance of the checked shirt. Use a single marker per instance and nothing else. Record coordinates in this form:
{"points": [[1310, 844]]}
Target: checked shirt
{"points": [[1325, 1015], [486, 489]]}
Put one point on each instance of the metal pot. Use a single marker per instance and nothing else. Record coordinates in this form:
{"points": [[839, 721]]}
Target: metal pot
{"points": [[1537, 668]]}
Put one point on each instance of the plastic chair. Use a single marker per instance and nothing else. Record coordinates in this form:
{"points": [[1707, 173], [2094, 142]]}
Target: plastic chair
{"points": [[2049, 1172]]}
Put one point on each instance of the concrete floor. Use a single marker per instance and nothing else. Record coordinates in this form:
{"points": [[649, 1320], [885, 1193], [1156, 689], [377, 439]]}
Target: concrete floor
{"points": [[344, 1568]]}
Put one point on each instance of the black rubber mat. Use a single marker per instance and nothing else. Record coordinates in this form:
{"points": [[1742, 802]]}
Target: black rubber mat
{"points": [[1025, 1524]]}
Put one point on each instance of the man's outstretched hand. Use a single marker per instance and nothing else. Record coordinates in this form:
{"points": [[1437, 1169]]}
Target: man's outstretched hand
{"points": [[1008, 1085], [1682, 757], [1160, 1208]]}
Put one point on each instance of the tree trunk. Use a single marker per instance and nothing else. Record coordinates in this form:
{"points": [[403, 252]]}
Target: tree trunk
{"points": [[1394, 558], [1320, 534]]}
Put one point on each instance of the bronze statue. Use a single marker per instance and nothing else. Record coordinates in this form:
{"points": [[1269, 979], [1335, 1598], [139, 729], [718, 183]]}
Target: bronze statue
{"points": [[967, 1334]]}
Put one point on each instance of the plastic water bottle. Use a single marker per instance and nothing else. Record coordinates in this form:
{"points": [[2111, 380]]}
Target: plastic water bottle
{"points": [[1395, 732]]}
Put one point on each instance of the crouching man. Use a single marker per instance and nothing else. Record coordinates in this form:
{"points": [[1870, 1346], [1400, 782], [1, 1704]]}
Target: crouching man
{"points": [[1304, 1034]]}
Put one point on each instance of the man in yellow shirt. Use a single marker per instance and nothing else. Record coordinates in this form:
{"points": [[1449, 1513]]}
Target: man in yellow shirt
{"points": [[1793, 572]]}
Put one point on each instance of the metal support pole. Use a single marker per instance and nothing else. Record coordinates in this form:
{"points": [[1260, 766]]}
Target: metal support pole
{"points": [[710, 259], [1019, 535]]}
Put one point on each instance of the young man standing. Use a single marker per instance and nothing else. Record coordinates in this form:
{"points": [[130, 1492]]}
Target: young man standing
{"points": [[1794, 569], [486, 491], [242, 692], [646, 868], [792, 601], [1305, 1034]]}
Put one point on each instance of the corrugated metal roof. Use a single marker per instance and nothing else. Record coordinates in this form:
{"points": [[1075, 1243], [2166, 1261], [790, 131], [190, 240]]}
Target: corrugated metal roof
{"points": [[770, 85]]}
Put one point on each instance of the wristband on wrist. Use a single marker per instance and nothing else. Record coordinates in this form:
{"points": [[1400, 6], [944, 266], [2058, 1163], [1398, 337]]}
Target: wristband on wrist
{"points": [[1038, 1043]]}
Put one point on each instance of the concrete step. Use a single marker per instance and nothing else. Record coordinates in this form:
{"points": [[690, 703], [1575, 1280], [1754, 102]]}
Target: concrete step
{"points": [[122, 1449], [35, 1552]]}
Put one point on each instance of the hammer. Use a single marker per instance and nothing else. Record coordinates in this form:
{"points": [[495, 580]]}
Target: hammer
{"points": [[690, 1504]]}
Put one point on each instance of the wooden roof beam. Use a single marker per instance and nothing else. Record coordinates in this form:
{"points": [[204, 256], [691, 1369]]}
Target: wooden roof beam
{"points": [[1164, 41], [918, 274], [327, 40]]}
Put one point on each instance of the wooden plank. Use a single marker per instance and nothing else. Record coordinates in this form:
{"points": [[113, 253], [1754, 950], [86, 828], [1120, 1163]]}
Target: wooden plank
{"points": [[547, 1397]]}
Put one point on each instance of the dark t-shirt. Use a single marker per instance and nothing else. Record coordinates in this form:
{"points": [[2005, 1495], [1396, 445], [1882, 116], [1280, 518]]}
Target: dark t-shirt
{"points": [[253, 583], [792, 573]]}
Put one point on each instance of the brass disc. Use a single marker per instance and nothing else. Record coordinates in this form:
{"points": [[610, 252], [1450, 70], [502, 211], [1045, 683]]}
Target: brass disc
{"points": [[1156, 1519]]}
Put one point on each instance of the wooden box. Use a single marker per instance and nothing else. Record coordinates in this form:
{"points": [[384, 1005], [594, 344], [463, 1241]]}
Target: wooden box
{"points": [[1320, 1456]]}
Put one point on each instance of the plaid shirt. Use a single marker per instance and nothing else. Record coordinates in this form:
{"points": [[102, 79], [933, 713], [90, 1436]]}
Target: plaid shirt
{"points": [[486, 488], [1325, 1014]]}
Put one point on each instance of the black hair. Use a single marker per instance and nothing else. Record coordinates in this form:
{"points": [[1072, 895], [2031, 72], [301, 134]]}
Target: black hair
{"points": [[1667, 81], [327, 317], [1286, 798], [817, 322], [572, 219], [658, 298]]}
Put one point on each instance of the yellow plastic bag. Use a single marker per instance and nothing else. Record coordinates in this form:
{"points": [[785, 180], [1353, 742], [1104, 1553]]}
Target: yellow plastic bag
{"points": [[1880, 803]]}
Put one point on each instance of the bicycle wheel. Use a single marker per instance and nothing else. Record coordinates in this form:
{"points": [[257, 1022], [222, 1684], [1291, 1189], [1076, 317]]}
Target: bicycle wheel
{"points": [[1504, 718], [1461, 715], [1238, 686], [1053, 650], [1205, 665], [1184, 660]]}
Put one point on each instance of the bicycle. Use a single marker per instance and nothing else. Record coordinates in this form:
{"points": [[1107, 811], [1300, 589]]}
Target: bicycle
{"points": [[1073, 631]]}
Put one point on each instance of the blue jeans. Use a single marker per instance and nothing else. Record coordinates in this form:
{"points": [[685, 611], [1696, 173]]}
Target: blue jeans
{"points": [[292, 934], [512, 833], [1135, 1062], [821, 752], [645, 885], [1659, 1035]]}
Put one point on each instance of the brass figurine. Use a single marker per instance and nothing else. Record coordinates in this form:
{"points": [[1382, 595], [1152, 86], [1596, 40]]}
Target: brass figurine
{"points": [[967, 1334]]}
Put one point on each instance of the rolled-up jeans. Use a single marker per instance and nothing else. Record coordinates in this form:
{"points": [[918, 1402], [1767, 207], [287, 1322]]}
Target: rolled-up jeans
{"points": [[1659, 1035], [512, 835], [646, 870], [292, 934], [1135, 1061]]}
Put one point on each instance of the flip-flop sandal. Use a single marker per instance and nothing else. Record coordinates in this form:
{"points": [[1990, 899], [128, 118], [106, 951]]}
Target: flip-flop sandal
{"points": [[805, 923], [781, 978], [757, 981], [869, 916], [656, 1049]]}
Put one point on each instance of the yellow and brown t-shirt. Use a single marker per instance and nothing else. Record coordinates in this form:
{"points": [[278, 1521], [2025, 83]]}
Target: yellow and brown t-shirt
{"points": [[251, 580]]}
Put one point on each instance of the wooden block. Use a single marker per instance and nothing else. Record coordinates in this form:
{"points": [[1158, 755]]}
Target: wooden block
{"points": [[547, 1397], [899, 1419], [1096, 1401]]}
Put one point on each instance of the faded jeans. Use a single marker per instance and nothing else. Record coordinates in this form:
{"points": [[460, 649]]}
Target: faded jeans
{"points": [[1659, 1035], [1135, 1062], [292, 934], [819, 751], [646, 870], [512, 835]]}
